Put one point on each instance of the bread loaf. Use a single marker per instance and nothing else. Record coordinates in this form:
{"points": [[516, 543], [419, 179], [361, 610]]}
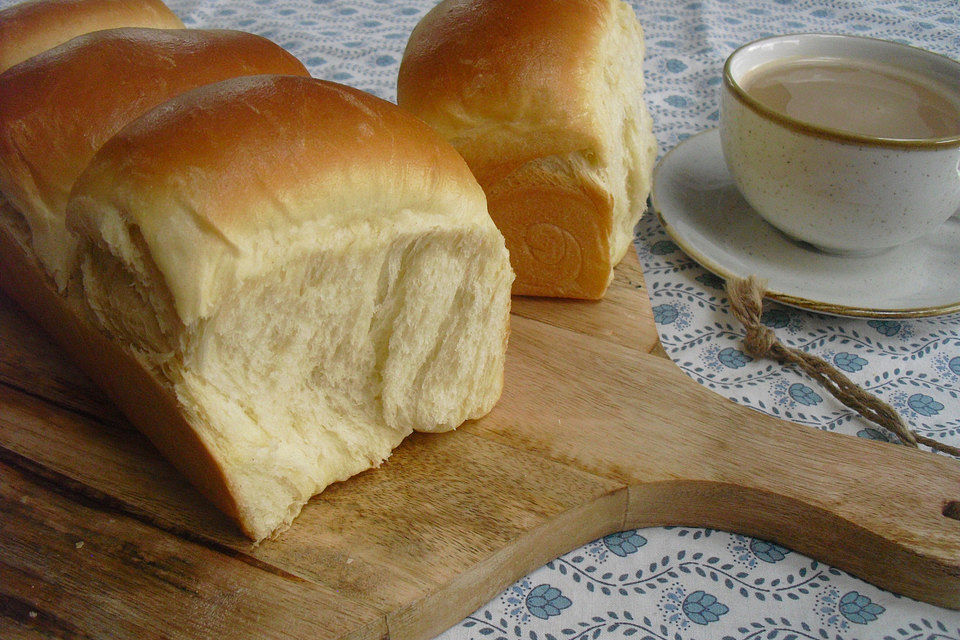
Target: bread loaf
{"points": [[544, 100], [29, 28], [285, 278], [57, 108]]}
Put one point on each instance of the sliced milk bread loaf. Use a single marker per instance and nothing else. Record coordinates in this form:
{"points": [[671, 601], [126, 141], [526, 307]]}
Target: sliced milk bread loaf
{"points": [[307, 274]]}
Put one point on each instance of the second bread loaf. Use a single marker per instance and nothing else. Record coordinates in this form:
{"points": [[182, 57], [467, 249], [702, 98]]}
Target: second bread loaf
{"points": [[544, 99]]}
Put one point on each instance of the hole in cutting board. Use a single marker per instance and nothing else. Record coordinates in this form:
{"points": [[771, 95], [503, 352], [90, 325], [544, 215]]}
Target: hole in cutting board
{"points": [[952, 509]]}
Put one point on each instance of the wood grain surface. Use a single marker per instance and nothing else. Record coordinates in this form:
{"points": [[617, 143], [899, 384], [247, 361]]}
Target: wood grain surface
{"points": [[101, 538]]}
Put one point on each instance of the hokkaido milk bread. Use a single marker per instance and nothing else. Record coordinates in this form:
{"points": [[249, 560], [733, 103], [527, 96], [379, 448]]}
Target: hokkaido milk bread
{"points": [[29, 28], [544, 100], [307, 273], [275, 278]]}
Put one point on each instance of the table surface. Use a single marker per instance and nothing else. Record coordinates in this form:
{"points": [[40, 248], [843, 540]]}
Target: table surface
{"points": [[715, 584]]}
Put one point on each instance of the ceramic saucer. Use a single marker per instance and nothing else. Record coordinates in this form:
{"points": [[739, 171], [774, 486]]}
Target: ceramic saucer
{"points": [[701, 209]]}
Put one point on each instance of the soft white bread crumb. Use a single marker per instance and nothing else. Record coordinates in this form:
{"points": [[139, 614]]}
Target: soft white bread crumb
{"points": [[544, 100], [309, 270]]}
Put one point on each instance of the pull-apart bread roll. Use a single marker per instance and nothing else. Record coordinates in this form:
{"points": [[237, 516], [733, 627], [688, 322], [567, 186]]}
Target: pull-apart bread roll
{"points": [[28, 28], [308, 274], [57, 108], [543, 98]]}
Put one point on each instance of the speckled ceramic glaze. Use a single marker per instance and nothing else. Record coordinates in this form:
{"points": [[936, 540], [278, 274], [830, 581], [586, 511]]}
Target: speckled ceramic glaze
{"points": [[707, 217], [841, 192]]}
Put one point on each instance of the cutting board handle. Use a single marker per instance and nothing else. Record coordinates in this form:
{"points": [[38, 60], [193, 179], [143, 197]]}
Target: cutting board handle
{"points": [[886, 513]]}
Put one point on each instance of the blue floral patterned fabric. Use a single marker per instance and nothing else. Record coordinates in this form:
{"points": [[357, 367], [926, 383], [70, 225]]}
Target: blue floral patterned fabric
{"points": [[681, 583]]}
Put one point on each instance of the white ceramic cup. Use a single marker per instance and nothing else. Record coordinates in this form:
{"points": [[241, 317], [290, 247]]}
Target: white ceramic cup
{"points": [[841, 192]]}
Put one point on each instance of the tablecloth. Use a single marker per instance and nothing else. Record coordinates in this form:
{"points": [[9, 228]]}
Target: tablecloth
{"points": [[685, 583]]}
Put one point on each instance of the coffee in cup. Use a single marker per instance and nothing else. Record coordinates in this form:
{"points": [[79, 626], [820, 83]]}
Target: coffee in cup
{"points": [[860, 97], [850, 144]]}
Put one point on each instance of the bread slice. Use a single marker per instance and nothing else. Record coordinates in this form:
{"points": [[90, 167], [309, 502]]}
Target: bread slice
{"points": [[307, 273], [57, 108], [544, 100], [29, 28]]}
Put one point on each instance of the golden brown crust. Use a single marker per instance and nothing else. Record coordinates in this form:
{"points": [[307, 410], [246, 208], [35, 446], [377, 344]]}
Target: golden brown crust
{"points": [[29, 28], [258, 126], [526, 64], [140, 395], [59, 107]]}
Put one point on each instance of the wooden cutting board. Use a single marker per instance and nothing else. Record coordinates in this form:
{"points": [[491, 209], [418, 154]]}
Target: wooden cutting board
{"points": [[101, 538]]}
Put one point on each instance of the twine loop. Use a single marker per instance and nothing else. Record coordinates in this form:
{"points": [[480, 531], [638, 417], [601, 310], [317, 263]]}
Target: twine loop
{"points": [[746, 303]]}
